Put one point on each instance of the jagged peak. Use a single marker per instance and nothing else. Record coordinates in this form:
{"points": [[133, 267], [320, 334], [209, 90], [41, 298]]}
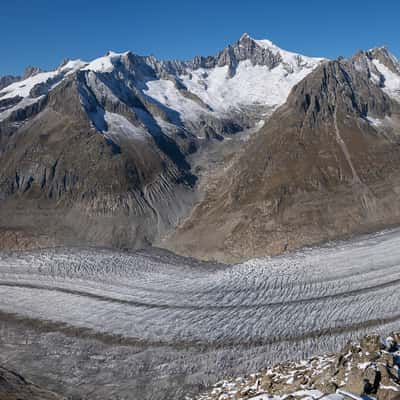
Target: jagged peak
{"points": [[111, 53], [72, 65], [384, 56], [63, 62], [31, 71], [105, 63], [245, 36], [264, 43], [384, 51], [288, 57], [383, 48]]}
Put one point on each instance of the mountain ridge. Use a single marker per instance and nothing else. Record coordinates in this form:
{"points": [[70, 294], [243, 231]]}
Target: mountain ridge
{"points": [[122, 150]]}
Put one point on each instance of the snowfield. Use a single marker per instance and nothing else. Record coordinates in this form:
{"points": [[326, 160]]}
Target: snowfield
{"points": [[208, 91], [109, 324]]}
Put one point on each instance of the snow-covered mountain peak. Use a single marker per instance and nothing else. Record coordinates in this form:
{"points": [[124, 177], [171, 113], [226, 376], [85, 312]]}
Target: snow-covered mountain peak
{"points": [[292, 59], [38, 82], [261, 42], [385, 57], [250, 74], [382, 68], [245, 36], [382, 54], [106, 63], [266, 44], [383, 50], [31, 71], [72, 65], [247, 73]]}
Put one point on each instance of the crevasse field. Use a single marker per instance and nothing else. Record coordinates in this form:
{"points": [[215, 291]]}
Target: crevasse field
{"points": [[151, 325]]}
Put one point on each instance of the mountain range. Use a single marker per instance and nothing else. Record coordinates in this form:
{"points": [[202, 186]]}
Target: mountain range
{"points": [[251, 152]]}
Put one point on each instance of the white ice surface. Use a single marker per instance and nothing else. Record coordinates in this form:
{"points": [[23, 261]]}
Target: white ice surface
{"points": [[73, 65], [343, 288], [164, 91], [22, 104], [252, 84], [105, 63], [22, 88], [294, 59], [165, 318]]}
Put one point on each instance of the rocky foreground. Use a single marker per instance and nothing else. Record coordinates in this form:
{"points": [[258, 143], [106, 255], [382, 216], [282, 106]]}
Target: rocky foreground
{"points": [[14, 387], [369, 369], [365, 370]]}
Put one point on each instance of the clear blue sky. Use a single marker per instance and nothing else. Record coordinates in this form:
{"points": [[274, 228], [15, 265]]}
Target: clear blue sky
{"points": [[42, 32]]}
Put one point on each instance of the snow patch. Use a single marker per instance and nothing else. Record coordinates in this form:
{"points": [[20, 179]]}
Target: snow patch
{"points": [[374, 121], [394, 388], [363, 365], [119, 126], [392, 80], [23, 88], [165, 92], [22, 104], [379, 122], [251, 85], [294, 59], [72, 66], [105, 63]]}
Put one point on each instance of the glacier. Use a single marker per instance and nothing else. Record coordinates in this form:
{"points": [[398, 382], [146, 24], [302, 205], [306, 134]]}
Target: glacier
{"points": [[176, 324]]}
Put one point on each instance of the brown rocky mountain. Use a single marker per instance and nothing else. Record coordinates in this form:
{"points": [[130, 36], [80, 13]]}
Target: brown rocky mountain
{"points": [[62, 182], [129, 151], [325, 165]]}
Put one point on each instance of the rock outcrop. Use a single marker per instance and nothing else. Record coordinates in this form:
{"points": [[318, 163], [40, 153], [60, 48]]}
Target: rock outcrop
{"points": [[15, 387], [7, 80], [369, 368]]}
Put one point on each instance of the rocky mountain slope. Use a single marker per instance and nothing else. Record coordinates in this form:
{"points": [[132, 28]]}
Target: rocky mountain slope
{"points": [[98, 152], [129, 151], [365, 370], [324, 165]]}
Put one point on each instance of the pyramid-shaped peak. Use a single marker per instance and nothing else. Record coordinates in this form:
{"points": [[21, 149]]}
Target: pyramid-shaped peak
{"points": [[384, 56], [261, 42], [245, 37], [31, 71], [383, 51]]}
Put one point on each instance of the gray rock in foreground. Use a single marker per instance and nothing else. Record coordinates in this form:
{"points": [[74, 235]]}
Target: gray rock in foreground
{"points": [[15, 387]]}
